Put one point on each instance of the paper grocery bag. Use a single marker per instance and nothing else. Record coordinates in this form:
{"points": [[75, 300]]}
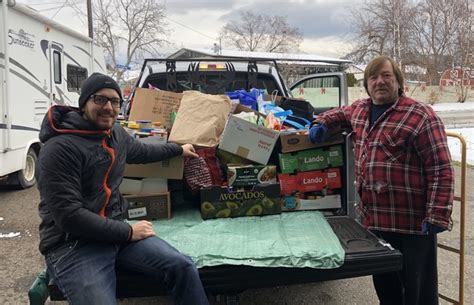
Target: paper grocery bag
{"points": [[201, 119], [154, 105]]}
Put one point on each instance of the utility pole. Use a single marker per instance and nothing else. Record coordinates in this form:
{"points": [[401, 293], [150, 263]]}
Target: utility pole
{"points": [[89, 18]]}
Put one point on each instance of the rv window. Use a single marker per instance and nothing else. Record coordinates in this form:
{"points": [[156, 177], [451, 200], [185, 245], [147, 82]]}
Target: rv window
{"points": [[75, 77], [57, 66]]}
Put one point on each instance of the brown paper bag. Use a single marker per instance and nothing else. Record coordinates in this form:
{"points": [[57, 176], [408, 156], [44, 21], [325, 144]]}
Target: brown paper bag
{"points": [[200, 119], [154, 105]]}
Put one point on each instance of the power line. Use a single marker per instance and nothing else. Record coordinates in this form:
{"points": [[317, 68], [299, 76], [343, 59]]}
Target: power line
{"points": [[189, 28], [44, 3], [65, 2], [51, 8]]}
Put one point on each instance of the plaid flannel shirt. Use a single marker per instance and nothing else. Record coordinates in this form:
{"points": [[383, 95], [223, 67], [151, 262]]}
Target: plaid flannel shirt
{"points": [[404, 174]]}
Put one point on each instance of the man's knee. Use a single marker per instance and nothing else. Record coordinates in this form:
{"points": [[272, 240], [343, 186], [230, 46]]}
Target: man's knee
{"points": [[182, 262]]}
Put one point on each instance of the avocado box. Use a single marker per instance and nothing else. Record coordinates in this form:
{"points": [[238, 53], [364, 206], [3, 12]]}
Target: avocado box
{"points": [[245, 175], [149, 207], [224, 202]]}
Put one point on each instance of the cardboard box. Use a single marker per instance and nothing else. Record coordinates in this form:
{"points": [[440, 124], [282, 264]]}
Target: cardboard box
{"points": [[247, 139], [311, 181], [334, 180], [288, 184], [311, 201], [334, 156], [245, 175], [154, 105], [296, 140], [311, 159], [149, 207], [223, 202], [305, 160], [303, 182], [170, 168], [228, 158], [143, 186]]}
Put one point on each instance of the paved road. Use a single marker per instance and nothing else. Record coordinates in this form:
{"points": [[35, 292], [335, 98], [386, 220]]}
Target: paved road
{"points": [[21, 262]]}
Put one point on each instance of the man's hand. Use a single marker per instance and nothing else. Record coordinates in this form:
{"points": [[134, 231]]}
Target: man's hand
{"points": [[142, 230], [188, 151], [317, 133], [429, 228]]}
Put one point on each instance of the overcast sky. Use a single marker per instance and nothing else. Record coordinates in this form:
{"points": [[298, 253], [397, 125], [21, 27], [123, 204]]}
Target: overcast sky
{"points": [[196, 23]]}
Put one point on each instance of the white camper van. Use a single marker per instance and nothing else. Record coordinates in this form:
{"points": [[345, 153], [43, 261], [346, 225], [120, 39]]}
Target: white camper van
{"points": [[42, 63]]}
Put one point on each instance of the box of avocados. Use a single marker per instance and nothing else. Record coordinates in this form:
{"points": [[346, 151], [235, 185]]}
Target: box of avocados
{"points": [[223, 202]]}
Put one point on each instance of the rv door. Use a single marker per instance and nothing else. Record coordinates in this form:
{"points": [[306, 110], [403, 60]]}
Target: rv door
{"points": [[56, 93]]}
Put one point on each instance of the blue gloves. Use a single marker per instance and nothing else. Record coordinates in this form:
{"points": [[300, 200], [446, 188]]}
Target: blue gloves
{"points": [[428, 228], [317, 133]]}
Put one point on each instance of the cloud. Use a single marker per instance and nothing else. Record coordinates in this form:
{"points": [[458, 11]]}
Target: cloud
{"points": [[315, 19], [184, 7]]}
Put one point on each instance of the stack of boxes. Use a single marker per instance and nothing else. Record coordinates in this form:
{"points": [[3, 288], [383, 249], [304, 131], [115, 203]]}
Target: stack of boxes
{"points": [[146, 185], [268, 171], [311, 179]]}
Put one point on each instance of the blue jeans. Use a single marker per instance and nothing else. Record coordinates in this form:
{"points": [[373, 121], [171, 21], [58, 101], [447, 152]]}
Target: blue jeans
{"points": [[85, 271]]}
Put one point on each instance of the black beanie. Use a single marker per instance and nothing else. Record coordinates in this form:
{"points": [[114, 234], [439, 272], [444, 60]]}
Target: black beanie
{"points": [[94, 83]]}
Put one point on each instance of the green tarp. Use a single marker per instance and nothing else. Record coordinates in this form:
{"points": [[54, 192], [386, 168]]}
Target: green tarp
{"points": [[299, 239]]}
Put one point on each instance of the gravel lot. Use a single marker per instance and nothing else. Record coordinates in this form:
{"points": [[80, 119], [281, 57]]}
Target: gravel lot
{"points": [[21, 262]]}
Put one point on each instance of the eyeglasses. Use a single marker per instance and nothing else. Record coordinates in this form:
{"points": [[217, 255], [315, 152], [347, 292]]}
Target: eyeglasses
{"points": [[102, 100]]}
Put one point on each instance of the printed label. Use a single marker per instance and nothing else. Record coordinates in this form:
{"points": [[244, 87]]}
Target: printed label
{"points": [[138, 212]]}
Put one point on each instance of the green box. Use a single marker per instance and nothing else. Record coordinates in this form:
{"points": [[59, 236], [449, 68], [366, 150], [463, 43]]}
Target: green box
{"points": [[312, 159], [335, 158], [288, 163], [224, 202]]}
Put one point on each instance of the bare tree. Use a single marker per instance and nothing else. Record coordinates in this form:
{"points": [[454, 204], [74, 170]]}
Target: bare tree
{"points": [[430, 34], [257, 32], [433, 34], [128, 30], [380, 27], [461, 52]]}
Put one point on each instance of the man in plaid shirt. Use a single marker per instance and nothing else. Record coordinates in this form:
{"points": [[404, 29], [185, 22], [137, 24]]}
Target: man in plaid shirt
{"points": [[405, 179]]}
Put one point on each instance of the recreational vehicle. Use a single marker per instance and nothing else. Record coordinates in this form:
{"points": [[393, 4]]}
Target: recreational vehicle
{"points": [[42, 63]]}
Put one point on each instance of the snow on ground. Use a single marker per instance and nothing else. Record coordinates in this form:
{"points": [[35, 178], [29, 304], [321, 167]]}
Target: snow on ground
{"points": [[466, 133], [455, 144], [9, 235], [451, 107]]}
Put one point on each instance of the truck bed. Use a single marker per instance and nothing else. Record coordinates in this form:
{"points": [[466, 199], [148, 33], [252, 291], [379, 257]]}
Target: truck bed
{"points": [[365, 255]]}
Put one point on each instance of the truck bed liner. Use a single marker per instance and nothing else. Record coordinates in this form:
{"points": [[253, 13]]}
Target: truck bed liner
{"points": [[365, 255]]}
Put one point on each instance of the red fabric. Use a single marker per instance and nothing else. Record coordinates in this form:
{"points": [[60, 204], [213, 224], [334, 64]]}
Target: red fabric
{"points": [[204, 171], [404, 174], [209, 155]]}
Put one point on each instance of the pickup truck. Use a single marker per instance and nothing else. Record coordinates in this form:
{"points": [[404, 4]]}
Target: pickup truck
{"points": [[365, 254]]}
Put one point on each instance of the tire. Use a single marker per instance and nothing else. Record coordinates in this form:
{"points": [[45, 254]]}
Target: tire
{"points": [[25, 178]]}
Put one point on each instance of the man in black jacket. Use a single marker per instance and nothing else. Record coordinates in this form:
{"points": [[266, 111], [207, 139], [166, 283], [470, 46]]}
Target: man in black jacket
{"points": [[83, 235]]}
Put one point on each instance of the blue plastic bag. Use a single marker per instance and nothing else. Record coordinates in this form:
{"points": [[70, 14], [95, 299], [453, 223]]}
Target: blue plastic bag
{"points": [[248, 99]]}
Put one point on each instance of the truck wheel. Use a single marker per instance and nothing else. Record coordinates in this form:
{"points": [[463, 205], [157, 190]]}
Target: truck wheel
{"points": [[25, 178]]}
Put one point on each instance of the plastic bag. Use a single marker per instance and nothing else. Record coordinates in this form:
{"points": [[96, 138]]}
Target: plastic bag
{"points": [[251, 99]]}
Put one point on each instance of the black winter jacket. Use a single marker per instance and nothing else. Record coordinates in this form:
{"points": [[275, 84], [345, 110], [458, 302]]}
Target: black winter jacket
{"points": [[79, 172]]}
